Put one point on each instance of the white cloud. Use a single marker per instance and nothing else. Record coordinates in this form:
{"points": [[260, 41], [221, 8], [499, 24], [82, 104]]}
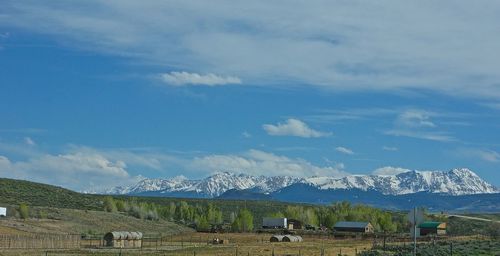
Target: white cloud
{"points": [[337, 45], [344, 150], [29, 141], [258, 162], [483, 154], [435, 136], [417, 124], [246, 134], [185, 78], [389, 170], [293, 127], [386, 148], [78, 171], [493, 105], [415, 118]]}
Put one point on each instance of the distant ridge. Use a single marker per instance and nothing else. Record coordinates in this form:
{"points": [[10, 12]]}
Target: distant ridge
{"points": [[454, 182]]}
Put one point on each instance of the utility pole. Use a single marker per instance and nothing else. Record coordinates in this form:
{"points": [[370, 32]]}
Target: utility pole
{"points": [[415, 231]]}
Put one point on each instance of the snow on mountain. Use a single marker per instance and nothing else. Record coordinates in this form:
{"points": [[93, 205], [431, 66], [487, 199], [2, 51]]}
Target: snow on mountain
{"points": [[453, 182], [211, 186]]}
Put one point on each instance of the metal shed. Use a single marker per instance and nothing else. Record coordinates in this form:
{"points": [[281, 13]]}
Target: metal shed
{"points": [[294, 224], [432, 228], [123, 239], [352, 226]]}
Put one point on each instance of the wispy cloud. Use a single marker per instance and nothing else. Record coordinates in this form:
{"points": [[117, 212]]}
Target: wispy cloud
{"points": [[435, 136], [294, 127], [344, 150], [417, 124], [24, 130], [343, 115], [29, 141], [246, 134], [258, 162], [387, 148], [185, 78], [415, 118], [331, 45], [482, 154], [389, 170]]}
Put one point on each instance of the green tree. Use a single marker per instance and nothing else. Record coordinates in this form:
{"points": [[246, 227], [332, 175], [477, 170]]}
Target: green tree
{"points": [[277, 215], [24, 211], [202, 223], [109, 204], [122, 206], [243, 222], [214, 214], [183, 212]]}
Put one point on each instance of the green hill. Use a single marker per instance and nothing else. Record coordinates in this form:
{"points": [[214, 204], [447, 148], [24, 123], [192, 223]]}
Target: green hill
{"points": [[14, 192]]}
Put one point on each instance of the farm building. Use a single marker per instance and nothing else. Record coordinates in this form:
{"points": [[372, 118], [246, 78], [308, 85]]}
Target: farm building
{"points": [[3, 212], [123, 239], [351, 226], [432, 228], [294, 224], [274, 223]]}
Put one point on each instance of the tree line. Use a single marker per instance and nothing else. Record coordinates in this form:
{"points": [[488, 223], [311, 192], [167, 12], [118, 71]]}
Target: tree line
{"points": [[205, 217]]}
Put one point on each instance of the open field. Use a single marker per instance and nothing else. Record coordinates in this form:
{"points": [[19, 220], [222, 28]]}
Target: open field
{"points": [[239, 244], [258, 244], [69, 221]]}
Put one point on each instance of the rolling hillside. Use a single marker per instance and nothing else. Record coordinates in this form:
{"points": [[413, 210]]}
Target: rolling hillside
{"points": [[14, 192]]}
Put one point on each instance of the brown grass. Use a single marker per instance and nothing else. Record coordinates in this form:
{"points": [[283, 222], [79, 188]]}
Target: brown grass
{"points": [[69, 221]]}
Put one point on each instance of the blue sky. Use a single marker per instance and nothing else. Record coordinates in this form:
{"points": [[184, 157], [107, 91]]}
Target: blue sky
{"points": [[103, 93]]}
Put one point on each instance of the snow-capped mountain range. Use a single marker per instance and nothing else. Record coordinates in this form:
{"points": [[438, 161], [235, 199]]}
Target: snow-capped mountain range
{"points": [[454, 182]]}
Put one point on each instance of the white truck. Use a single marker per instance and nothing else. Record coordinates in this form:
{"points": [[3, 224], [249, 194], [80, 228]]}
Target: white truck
{"points": [[3, 212], [274, 223]]}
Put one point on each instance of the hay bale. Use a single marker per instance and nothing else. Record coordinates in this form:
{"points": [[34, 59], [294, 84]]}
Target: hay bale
{"points": [[290, 238], [276, 238]]}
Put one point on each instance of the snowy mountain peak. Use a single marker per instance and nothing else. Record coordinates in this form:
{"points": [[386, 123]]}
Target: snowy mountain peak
{"points": [[453, 182]]}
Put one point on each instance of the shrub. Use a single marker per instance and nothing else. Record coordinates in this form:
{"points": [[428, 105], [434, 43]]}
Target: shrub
{"points": [[24, 211]]}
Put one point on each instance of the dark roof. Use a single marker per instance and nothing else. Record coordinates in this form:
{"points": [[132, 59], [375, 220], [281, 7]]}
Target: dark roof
{"points": [[351, 224], [430, 224]]}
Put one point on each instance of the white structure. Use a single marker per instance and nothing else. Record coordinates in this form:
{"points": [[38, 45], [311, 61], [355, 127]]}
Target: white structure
{"points": [[3, 212], [274, 222]]}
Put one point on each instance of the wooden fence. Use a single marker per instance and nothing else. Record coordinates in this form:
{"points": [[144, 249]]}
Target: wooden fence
{"points": [[40, 241]]}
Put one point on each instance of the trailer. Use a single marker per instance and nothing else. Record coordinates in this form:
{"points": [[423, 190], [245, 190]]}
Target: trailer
{"points": [[274, 223], [3, 212]]}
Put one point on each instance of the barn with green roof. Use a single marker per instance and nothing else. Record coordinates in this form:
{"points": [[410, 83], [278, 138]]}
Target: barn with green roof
{"points": [[432, 228]]}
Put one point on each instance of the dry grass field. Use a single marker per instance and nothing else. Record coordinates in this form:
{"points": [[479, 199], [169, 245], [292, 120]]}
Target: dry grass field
{"points": [[70, 221], [239, 244], [176, 240]]}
